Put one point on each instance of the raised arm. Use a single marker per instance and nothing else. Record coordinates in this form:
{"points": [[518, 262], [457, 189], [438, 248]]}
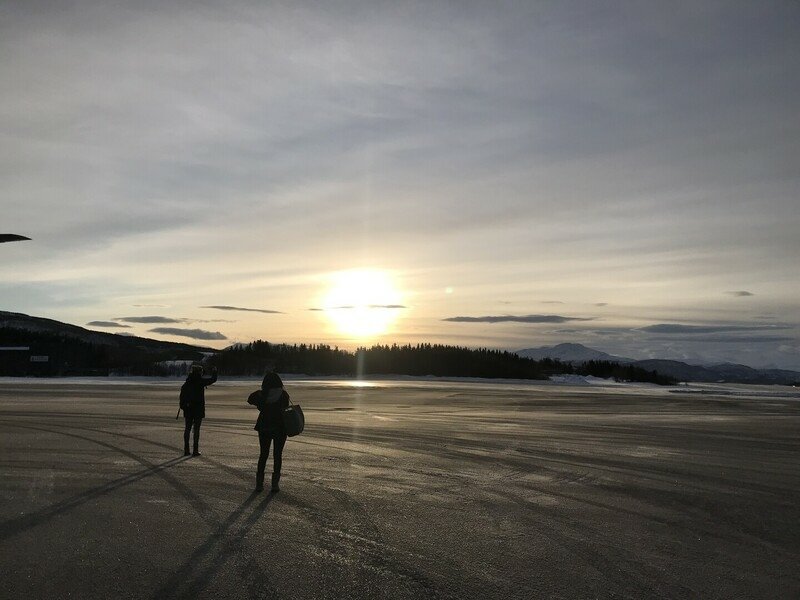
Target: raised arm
{"points": [[209, 380]]}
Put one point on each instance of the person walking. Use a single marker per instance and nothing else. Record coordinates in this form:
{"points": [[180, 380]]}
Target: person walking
{"points": [[193, 403], [271, 400]]}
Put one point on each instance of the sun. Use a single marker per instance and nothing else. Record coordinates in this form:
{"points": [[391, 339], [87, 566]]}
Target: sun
{"points": [[362, 303]]}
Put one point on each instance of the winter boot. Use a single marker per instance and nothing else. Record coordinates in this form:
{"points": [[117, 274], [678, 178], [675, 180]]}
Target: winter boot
{"points": [[276, 477], [259, 482]]}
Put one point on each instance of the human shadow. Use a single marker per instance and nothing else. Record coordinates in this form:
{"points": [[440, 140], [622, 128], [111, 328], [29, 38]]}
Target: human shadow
{"points": [[22, 523], [195, 501], [225, 542]]}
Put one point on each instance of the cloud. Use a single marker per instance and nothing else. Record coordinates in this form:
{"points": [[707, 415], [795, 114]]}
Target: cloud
{"points": [[106, 324], [159, 319], [258, 310], [673, 328], [601, 303], [726, 339], [609, 331], [151, 305], [740, 293], [351, 307], [517, 319], [197, 334], [552, 302], [151, 319]]}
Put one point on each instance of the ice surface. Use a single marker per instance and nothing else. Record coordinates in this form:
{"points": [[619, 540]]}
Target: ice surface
{"points": [[402, 489]]}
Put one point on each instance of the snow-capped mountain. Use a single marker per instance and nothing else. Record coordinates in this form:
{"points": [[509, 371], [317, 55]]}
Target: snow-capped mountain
{"points": [[574, 353]]}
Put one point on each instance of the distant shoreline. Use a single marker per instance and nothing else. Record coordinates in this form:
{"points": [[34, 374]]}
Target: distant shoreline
{"points": [[378, 380]]}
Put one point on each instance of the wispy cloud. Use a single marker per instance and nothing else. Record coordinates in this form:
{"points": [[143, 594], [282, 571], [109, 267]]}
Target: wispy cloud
{"points": [[740, 293], [151, 305], [197, 334], [151, 319], [601, 303], [726, 339], [517, 319], [673, 328], [351, 307], [107, 324], [257, 310]]}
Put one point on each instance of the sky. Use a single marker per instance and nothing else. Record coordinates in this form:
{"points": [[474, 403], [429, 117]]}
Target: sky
{"points": [[509, 174]]}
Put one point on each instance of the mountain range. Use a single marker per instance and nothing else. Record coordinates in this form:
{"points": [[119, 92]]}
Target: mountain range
{"points": [[724, 372]]}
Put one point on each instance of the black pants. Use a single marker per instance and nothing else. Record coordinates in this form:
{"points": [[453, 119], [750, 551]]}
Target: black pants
{"points": [[265, 438], [196, 421]]}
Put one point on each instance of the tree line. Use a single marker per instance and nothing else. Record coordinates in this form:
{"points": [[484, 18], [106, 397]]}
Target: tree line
{"points": [[67, 355], [418, 360]]}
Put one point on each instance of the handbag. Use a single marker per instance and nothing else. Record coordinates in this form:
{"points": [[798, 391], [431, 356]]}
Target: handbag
{"points": [[293, 419]]}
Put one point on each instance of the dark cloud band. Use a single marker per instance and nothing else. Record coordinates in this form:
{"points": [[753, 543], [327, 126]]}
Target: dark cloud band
{"points": [[196, 334]]}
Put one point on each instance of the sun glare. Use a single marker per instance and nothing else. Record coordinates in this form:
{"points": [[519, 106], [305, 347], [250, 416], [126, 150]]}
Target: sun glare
{"points": [[362, 303]]}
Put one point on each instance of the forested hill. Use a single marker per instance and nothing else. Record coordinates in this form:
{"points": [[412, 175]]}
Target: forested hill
{"points": [[420, 359], [44, 347]]}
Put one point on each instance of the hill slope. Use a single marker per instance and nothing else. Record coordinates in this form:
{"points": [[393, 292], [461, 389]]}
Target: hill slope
{"points": [[71, 350], [23, 322]]}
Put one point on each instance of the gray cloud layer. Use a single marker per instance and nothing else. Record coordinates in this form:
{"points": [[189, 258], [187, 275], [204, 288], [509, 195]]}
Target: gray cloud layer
{"points": [[517, 319], [673, 328], [730, 339], [197, 334]]}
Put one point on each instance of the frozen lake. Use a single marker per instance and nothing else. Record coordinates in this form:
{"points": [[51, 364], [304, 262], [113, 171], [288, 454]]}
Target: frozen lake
{"points": [[402, 489]]}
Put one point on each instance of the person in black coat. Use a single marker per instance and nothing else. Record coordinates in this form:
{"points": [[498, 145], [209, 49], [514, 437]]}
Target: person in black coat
{"points": [[193, 403], [271, 400]]}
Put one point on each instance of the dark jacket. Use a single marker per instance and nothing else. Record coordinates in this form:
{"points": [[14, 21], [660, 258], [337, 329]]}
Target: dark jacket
{"points": [[193, 395], [270, 419]]}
